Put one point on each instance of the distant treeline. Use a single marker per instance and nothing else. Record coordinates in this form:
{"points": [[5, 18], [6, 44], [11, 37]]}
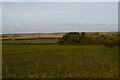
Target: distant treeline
{"points": [[96, 38]]}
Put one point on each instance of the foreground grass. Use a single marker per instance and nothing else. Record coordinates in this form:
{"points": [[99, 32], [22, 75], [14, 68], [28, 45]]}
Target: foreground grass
{"points": [[59, 61]]}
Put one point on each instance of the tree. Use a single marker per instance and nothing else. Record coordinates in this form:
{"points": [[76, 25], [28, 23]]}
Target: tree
{"points": [[73, 38]]}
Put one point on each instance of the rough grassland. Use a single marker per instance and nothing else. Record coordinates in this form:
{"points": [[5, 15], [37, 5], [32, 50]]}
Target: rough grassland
{"points": [[59, 61]]}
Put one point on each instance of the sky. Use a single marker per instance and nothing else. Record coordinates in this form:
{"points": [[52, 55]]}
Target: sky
{"points": [[59, 0], [49, 17]]}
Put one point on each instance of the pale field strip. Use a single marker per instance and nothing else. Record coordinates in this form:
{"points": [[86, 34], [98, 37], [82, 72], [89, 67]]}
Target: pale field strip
{"points": [[32, 36]]}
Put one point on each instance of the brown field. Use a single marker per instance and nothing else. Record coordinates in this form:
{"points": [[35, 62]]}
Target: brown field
{"points": [[31, 36]]}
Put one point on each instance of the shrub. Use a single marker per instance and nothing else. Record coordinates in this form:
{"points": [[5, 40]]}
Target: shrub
{"points": [[96, 38], [73, 38]]}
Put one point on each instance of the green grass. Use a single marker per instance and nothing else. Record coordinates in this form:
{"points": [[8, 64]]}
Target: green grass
{"points": [[32, 41], [59, 61]]}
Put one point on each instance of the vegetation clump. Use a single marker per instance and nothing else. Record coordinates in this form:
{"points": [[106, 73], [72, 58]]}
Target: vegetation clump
{"points": [[107, 39]]}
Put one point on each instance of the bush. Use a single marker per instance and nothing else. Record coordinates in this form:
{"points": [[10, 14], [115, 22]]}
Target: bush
{"points": [[96, 38], [73, 38]]}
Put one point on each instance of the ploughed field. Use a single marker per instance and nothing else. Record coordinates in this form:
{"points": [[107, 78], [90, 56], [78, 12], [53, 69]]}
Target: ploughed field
{"points": [[59, 61]]}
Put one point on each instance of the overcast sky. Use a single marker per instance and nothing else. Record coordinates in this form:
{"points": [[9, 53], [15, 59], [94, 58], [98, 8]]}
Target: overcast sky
{"points": [[59, 0], [45, 17]]}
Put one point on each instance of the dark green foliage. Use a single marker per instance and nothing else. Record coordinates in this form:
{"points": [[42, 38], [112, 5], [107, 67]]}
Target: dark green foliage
{"points": [[73, 38]]}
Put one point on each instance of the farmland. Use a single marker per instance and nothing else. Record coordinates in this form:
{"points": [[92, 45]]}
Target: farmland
{"points": [[29, 36], [27, 58], [30, 41], [59, 39], [59, 61]]}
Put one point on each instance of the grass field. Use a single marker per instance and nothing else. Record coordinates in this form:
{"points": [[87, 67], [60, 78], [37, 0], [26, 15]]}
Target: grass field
{"points": [[32, 41], [59, 61]]}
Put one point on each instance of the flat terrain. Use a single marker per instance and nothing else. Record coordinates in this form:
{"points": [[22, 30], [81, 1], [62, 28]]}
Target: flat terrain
{"points": [[30, 41], [59, 61], [30, 36]]}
